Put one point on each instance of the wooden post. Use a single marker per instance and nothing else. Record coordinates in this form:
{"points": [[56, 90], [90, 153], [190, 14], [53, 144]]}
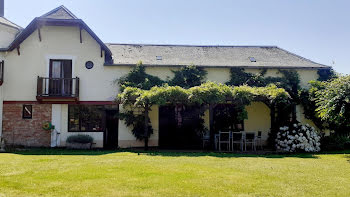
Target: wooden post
{"points": [[273, 116], [273, 123], [39, 33], [211, 126], [81, 37]]}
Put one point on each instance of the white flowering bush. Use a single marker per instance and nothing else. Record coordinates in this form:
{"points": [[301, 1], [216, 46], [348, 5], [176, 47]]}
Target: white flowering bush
{"points": [[298, 138]]}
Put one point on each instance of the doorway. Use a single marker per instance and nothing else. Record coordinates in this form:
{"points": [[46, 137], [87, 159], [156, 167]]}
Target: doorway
{"points": [[60, 78], [111, 131], [178, 127]]}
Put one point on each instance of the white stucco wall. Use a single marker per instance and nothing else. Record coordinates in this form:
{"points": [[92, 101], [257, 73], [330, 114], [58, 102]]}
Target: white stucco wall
{"points": [[7, 35], [22, 70]]}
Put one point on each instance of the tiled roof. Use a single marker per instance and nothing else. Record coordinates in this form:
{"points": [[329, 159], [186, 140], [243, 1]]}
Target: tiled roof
{"points": [[208, 56]]}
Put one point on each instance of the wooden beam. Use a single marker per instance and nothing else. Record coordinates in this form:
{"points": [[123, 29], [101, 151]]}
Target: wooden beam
{"points": [[39, 33], [81, 37], [19, 53]]}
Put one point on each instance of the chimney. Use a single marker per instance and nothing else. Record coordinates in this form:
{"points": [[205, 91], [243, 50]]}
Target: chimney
{"points": [[2, 8]]}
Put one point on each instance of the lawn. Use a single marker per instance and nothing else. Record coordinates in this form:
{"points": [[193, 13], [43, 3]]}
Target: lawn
{"points": [[103, 173]]}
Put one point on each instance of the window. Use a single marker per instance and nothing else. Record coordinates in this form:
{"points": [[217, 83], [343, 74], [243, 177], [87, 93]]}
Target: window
{"points": [[159, 57], [86, 118], [252, 59], [27, 112]]}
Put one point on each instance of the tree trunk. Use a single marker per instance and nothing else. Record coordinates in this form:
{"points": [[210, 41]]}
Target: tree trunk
{"points": [[294, 112], [146, 127]]}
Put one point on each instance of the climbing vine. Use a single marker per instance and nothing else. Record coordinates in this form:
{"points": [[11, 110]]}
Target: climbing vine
{"points": [[138, 78], [289, 80], [188, 76], [203, 95], [141, 91]]}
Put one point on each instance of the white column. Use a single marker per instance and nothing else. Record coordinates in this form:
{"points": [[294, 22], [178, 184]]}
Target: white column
{"points": [[56, 120]]}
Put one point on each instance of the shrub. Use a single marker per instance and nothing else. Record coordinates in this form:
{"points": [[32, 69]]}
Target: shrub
{"points": [[298, 138], [335, 142], [81, 139]]}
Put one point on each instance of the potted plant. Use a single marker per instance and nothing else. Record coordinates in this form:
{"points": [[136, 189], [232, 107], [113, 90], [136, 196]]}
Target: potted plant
{"points": [[79, 142]]}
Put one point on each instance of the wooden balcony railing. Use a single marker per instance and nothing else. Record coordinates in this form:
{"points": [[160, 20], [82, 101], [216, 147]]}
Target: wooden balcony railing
{"points": [[57, 88], [2, 64]]}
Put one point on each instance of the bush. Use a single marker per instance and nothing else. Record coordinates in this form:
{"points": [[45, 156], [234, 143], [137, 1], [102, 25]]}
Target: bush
{"points": [[81, 139], [334, 142], [298, 138]]}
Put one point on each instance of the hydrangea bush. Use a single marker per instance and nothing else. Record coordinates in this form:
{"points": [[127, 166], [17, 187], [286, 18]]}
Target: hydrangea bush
{"points": [[298, 138]]}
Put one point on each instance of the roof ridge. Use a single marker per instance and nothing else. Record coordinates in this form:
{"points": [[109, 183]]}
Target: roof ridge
{"points": [[190, 45], [58, 8]]}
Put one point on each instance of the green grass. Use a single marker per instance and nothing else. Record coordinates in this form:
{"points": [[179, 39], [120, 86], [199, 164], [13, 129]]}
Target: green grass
{"points": [[107, 173]]}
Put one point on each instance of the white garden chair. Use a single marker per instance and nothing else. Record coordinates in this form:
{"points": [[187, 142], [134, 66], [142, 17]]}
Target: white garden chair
{"points": [[225, 139], [250, 139]]}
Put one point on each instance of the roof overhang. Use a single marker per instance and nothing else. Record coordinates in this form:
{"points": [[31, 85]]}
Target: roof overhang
{"points": [[39, 22], [225, 66]]}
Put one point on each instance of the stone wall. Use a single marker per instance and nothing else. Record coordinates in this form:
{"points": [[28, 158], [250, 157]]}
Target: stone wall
{"points": [[26, 132]]}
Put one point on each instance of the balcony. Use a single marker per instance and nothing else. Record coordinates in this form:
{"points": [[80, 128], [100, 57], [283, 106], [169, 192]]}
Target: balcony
{"points": [[58, 90], [2, 63]]}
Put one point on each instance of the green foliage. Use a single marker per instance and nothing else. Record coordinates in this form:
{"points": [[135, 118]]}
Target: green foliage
{"points": [[139, 78], [335, 142], [326, 74], [186, 88], [333, 102], [289, 81], [188, 76], [238, 77], [307, 99], [206, 93], [81, 139]]}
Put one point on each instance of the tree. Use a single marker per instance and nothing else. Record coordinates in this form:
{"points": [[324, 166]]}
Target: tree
{"points": [[333, 103]]}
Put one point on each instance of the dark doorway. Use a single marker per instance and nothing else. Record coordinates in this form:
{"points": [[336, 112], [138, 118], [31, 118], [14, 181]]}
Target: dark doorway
{"points": [[111, 130], [226, 118], [179, 127], [60, 77]]}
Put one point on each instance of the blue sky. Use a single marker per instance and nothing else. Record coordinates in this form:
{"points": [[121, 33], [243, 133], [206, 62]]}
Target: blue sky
{"points": [[316, 29]]}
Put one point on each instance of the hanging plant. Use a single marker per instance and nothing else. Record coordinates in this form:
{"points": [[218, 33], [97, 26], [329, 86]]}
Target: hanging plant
{"points": [[47, 126]]}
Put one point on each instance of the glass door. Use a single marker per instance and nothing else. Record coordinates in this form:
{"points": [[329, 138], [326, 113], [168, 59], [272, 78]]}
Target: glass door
{"points": [[60, 78]]}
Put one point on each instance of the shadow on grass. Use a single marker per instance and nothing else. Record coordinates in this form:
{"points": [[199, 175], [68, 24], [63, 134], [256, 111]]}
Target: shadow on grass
{"points": [[173, 153]]}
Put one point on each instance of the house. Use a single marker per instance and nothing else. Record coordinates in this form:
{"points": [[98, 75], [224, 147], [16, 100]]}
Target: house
{"points": [[58, 70]]}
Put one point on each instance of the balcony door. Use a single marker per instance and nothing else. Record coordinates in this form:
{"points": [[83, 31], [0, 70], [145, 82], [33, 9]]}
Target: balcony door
{"points": [[60, 78]]}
